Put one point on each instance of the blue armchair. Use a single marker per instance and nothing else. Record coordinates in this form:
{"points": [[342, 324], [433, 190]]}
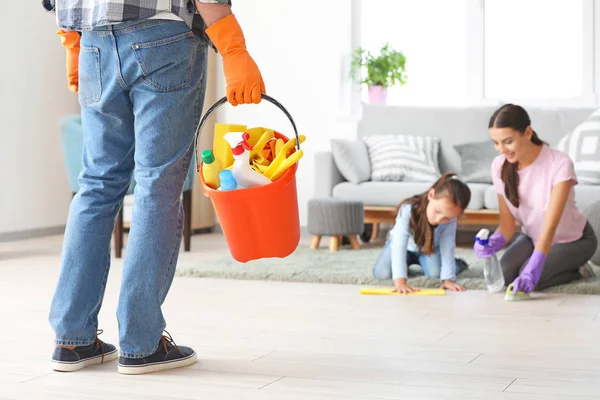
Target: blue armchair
{"points": [[71, 132]]}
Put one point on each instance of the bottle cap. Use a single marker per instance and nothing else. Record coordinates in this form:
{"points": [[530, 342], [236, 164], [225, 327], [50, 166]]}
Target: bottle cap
{"points": [[208, 157], [482, 236], [238, 141], [227, 180]]}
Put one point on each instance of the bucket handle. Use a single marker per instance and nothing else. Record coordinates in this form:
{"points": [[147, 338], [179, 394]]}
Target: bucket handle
{"points": [[222, 101]]}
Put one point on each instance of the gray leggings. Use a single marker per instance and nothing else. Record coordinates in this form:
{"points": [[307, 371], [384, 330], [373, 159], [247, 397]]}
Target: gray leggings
{"points": [[562, 264]]}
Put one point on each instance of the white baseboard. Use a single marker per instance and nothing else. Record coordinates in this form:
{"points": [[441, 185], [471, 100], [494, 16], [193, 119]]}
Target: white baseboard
{"points": [[32, 233], [59, 230]]}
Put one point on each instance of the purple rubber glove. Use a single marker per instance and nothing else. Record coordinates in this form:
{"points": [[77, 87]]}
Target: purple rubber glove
{"points": [[530, 275], [494, 243]]}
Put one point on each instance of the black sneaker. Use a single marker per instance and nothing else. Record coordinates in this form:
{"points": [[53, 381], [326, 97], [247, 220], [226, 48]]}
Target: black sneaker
{"points": [[167, 356], [68, 360]]}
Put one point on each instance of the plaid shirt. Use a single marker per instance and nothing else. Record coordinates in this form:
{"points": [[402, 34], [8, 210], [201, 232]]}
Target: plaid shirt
{"points": [[85, 15]]}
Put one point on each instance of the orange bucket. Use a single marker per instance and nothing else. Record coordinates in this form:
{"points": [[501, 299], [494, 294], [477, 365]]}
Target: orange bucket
{"points": [[258, 222]]}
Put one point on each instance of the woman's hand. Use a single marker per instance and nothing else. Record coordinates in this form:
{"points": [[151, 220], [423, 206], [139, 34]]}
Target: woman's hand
{"points": [[495, 243], [530, 275], [451, 285], [402, 288]]}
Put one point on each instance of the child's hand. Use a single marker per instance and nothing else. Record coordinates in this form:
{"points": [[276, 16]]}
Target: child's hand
{"points": [[450, 285], [402, 288]]}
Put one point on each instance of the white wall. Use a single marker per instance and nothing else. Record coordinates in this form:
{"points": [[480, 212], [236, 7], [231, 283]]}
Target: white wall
{"points": [[34, 192], [303, 67]]}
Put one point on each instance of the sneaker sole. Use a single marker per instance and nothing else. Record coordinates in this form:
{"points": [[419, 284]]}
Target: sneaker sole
{"points": [[64, 366], [155, 367], [586, 271]]}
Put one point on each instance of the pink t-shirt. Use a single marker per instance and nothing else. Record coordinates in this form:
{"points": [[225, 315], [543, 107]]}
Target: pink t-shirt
{"points": [[535, 185]]}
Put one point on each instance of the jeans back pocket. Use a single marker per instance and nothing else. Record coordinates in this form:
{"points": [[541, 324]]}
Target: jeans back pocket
{"points": [[167, 64], [90, 79]]}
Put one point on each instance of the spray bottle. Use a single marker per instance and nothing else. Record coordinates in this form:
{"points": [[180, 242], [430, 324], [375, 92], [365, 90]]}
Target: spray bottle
{"points": [[242, 171], [494, 279]]}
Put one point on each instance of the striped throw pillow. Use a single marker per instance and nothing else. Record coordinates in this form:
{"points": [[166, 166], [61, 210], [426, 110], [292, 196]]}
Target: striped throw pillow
{"points": [[583, 147], [403, 158]]}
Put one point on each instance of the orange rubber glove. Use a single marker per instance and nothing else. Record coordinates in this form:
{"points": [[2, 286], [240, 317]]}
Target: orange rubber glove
{"points": [[244, 81], [70, 41]]}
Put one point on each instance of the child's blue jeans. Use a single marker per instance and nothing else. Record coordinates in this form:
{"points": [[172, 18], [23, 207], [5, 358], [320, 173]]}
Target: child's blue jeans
{"points": [[431, 264]]}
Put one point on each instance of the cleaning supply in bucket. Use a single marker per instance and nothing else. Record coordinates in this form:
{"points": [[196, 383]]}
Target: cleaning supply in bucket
{"points": [[267, 147], [510, 295], [221, 149], [211, 167], [270, 157], [227, 180], [242, 171], [285, 164], [257, 133], [257, 155], [281, 163], [494, 279]]}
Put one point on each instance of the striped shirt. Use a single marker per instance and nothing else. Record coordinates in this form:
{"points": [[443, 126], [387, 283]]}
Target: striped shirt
{"points": [[85, 15]]}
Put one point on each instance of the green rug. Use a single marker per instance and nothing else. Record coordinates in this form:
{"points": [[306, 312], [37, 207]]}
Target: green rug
{"points": [[346, 267]]}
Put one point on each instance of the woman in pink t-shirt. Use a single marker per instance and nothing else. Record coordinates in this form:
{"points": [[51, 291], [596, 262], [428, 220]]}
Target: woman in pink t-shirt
{"points": [[535, 184]]}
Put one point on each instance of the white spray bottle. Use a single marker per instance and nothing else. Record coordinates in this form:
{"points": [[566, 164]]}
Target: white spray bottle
{"points": [[242, 171]]}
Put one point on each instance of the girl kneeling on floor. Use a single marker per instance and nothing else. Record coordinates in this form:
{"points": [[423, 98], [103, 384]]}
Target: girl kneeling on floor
{"points": [[535, 183], [425, 234]]}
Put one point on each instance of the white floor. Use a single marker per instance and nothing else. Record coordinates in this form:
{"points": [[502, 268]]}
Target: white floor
{"points": [[265, 340]]}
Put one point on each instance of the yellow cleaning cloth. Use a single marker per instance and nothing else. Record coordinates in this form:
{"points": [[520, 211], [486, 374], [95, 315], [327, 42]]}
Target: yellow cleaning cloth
{"points": [[422, 292]]}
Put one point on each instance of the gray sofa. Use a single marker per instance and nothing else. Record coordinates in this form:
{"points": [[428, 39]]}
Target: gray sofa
{"points": [[454, 126]]}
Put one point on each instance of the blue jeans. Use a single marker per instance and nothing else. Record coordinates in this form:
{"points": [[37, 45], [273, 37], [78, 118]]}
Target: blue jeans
{"points": [[431, 264], [141, 90]]}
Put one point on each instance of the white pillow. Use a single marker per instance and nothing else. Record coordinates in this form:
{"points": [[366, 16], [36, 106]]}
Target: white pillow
{"points": [[583, 147], [403, 158]]}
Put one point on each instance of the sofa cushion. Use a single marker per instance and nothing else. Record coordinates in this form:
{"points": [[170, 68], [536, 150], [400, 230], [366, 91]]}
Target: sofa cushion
{"points": [[585, 196], [393, 193], [477, 195], [403, 158], [490, 198], [379, 193], [352, 159], [583, 147], [476, 161]]}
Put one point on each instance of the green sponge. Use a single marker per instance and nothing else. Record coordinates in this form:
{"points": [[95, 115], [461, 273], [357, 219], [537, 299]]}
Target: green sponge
{"points": [[510, 296]]}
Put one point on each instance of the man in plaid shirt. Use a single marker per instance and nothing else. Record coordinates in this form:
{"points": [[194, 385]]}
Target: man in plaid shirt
{"points": [[139, 68]]}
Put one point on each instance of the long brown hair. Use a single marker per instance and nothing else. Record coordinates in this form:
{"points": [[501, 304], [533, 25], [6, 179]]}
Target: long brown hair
{"points": [[448, 185], [515, 117]]}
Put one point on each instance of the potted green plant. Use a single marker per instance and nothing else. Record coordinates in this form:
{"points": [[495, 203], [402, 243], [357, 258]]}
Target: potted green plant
{"points": [[384, 70]]}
